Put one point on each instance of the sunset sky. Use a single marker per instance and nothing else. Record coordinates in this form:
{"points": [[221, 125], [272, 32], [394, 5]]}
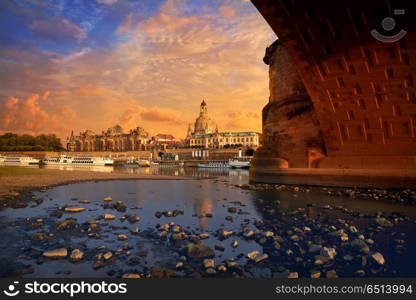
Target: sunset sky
{"points": [[91, 64]]}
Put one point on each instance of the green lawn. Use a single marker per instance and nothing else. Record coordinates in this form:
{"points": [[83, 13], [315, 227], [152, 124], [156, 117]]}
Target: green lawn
{"points": [[8, 171]]}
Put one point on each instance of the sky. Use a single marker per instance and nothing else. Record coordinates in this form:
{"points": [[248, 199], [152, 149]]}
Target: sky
{"points": [[90, 64]]}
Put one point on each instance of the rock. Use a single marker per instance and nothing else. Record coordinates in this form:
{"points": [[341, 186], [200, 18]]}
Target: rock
{"points": [[39, 237], [57, 253], [135, 230], [234, 244], [295, 238], [378, 258], [315, 274], [211, 271], [331, 274], [232, 210], [348, 257], [179, 236], [179, 265], [74, 209], [219, 247], [98, 264], [130, 275], [199, 251], [67, 224], [222, 268], [229, 218], [76, 255], [169, 214], [261, 258], [165, 227], [268, 233], [108, 199], [158, 214], [293, 275], [225, 234], [314, 248], [122, 237], [108, 255], [328, 252], [133, 218], [109, 217], [360, 246], [84, 201], [203, 236], [248, 234], [383, 222], [176, 228], [208, 263], [253, 254]]}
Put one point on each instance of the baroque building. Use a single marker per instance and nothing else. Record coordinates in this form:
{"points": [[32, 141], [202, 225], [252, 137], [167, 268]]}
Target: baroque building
{"points": [[113, 139], [205, 134]]}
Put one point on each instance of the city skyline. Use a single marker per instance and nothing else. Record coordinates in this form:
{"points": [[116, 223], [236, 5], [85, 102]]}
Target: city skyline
{"points": [[90, 65]]}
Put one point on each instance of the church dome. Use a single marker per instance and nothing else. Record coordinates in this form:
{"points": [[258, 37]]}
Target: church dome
{"points": [[203, 124]]}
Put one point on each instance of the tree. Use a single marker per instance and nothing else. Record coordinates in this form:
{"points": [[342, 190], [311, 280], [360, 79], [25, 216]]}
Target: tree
{"points": [[13, 142]]}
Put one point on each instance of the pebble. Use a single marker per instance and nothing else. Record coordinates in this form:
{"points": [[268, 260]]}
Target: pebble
{"points": [[57, 253], [76, 255], [75, 209], [109, 217], [378, 258], [108, 199], [122, 237], [208, 263]]}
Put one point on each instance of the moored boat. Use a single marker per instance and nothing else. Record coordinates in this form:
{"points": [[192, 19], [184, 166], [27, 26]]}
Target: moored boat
{"points": [[241, 162], [18, 161], [214, 164], [78, 160]]}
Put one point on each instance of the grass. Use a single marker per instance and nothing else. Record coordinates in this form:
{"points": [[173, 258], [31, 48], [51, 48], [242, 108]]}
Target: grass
{"points": [[8, 171]]}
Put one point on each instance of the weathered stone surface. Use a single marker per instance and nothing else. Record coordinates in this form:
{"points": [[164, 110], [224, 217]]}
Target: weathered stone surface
{"points": [[57, 253], [76, 255], [198, 251]]}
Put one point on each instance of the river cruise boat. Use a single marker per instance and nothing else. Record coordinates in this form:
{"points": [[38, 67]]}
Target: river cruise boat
{"points": [[214, 164], [78, 160], [18, 161], [242, 162]]}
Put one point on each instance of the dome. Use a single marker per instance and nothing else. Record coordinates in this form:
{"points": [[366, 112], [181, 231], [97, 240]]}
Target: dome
{"points": [[117, 129]]}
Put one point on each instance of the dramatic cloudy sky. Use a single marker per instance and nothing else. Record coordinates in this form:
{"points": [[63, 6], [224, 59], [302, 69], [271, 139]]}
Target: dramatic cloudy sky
{"points": [[77, 64]]}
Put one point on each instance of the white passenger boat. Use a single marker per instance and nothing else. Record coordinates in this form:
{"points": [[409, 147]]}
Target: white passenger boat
{"points": [[18, 161], [78, 160], [242, 162], [214, 164]]}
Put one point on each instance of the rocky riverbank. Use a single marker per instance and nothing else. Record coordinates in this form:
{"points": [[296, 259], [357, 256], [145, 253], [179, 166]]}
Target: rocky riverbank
{"points": [[313, 241]]}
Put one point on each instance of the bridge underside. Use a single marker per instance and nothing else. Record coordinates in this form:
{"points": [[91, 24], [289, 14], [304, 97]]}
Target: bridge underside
{"points": [[342, 108]]}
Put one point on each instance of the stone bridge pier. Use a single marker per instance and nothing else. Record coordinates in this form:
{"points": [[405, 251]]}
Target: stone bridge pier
{"points": [[342, 107]]}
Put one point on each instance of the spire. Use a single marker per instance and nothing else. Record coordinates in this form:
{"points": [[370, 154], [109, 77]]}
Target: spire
{"points": [[203, 110], [216, 128], [203, 103]]}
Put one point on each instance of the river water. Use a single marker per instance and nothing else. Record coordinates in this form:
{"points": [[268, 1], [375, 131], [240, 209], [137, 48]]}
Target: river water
{"points": [[205, 200]]}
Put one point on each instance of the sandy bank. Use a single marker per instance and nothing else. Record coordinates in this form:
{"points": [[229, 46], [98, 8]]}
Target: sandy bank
{"points": [[19, 179]]}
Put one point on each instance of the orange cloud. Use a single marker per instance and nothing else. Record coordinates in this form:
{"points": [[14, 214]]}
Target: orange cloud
{"points": [[90, 90], [27, 116], [227, 11], [137, 114]]}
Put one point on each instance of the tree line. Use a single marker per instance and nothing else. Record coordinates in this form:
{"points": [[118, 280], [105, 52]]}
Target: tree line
{"points": [[26, 142]]}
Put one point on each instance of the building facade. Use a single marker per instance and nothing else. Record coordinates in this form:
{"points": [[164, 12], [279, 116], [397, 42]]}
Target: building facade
{"points": [[205, 134], [113, 139]]}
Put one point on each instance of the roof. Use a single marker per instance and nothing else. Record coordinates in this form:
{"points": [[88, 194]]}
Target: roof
{"points": [[226, 134], [165, 136]]}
